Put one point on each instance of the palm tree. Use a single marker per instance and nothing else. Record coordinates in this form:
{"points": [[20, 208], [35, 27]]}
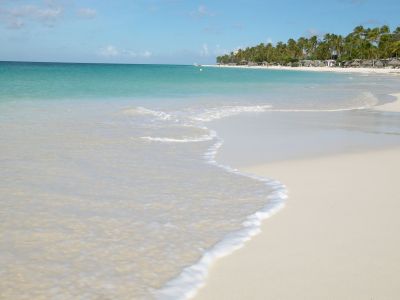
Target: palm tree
{"points": [[395, 49], [312, 45], [362, 42], [302, 44], [293, 49]]}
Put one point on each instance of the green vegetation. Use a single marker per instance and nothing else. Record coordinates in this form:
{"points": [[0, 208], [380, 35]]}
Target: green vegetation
{"points": [[362, 43]]}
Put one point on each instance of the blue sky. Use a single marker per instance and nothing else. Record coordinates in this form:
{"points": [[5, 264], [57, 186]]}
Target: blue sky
{"points": [[171, 31]]}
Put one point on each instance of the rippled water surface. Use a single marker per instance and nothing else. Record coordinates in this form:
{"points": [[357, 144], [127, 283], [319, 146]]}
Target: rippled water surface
{"points": [[111, 187]]}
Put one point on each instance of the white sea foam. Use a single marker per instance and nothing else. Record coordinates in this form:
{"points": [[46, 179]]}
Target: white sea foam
{"points": [[227, 111], [187, 283], [193, 277], [145, 111], [203, 138], [366, 99], [321, 110]]}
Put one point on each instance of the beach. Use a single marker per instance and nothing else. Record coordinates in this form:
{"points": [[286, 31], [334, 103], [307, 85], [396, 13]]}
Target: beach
{"points": [[336, 238], [212, 150], [317, 69], [139, 191]]}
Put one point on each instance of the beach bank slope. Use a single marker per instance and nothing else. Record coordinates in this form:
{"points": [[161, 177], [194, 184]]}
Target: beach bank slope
{"points": [[337, 238]]}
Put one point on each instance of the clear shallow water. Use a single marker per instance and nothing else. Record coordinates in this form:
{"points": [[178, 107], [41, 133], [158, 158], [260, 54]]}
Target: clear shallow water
{"points": [[110, 186], [275, 136]]}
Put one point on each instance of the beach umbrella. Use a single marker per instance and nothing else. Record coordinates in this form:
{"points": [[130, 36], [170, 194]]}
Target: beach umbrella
{"points": [[367, 63], [394, 63], [378, 64]]}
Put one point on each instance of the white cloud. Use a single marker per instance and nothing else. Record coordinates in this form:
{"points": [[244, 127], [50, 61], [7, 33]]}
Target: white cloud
{"points": [[109, 51], [202, 11], [147, 54], [112, 51], [47, 13], [88, 13], [16, 14]]}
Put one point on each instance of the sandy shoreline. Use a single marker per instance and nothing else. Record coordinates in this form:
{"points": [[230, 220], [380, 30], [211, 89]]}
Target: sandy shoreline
{"points": [[317, 69], [337, 238]]}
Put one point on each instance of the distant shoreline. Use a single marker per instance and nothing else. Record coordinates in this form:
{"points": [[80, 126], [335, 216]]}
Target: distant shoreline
{"points": [[316, 69]]}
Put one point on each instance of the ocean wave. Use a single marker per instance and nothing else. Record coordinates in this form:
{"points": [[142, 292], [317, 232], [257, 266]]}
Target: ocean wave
{"points": [[145, 111], [321, 110], [203, 138], [227, 111], [366, 100]]}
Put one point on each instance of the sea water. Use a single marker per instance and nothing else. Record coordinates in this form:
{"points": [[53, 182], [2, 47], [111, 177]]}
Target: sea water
{"points": [[111, 183]]}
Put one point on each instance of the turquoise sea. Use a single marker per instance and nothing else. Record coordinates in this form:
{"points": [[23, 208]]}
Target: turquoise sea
{"points": [[122, 181]]}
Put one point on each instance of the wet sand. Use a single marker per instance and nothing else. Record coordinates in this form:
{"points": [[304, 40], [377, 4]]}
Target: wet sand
{"points": [[337, 237]]}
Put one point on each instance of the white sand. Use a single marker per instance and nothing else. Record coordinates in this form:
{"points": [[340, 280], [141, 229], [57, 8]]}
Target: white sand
{"points": [[337, 238], [318, 69]]}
